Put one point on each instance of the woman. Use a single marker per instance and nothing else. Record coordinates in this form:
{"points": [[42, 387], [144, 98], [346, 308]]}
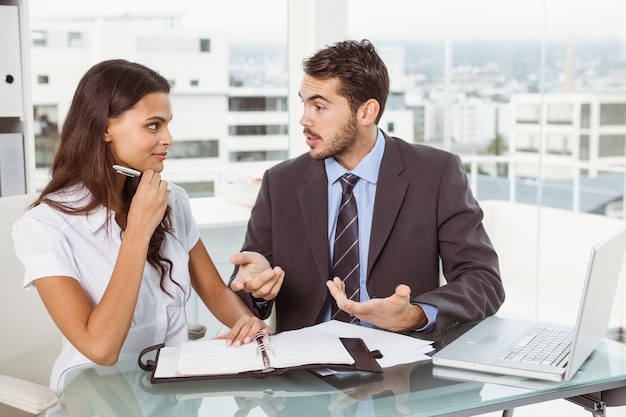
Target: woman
{"points": [[114, 257]]}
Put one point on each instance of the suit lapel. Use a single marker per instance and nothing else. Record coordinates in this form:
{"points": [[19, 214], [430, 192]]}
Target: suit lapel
{"points": [[313, 198], [390, 192]]}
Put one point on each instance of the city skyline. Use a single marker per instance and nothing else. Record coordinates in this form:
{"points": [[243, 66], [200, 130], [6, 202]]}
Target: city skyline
{"points": [[484, 75]]}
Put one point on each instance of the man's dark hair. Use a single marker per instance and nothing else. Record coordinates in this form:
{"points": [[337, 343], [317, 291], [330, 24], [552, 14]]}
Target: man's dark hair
{"points": [[361, 72]]}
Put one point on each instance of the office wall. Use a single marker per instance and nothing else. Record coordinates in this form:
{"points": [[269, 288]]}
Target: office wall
{"points": [[543, 258]]}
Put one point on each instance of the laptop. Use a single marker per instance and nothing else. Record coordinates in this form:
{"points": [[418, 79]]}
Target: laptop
{"points": [[509, 346]]}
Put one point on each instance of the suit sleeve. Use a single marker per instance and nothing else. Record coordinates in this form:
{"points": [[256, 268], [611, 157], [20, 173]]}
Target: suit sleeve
{"points": [[258, 239], [473, 288]]}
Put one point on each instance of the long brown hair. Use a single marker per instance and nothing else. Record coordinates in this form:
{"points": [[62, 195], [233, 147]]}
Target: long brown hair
{"points": [[107, 90]]}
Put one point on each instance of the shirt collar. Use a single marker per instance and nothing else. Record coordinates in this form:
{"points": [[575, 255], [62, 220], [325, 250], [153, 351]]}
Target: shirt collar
{"points": [[76, 196], [367, 169], [97, 218]]}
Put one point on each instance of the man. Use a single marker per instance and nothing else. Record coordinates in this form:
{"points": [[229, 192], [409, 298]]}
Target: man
{"points": [[414, 208]]}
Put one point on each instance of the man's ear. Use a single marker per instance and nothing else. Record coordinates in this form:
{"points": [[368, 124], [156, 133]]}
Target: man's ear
{"points": [[369, 112]]}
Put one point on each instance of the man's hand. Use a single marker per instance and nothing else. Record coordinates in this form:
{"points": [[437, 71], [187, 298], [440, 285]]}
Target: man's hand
{"points": [[395, 313], [255, 275]]}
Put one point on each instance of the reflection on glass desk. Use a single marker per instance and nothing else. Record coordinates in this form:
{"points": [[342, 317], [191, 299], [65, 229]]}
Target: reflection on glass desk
{"points": [[406, 390]]}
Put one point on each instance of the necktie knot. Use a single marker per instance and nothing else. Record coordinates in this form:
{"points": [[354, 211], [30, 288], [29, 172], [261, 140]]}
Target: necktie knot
{"points": [[348, 181]]}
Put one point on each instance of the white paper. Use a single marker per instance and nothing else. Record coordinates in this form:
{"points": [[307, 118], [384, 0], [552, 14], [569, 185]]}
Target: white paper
{"points": [[396, 348], [286, 349]]}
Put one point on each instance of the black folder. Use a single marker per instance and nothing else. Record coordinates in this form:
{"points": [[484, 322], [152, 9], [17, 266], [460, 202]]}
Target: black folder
{"points": [[364, 361]]}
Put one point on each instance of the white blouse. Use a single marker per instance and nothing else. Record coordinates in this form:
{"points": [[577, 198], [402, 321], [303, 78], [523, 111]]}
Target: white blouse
{"points": [[51, 243]]}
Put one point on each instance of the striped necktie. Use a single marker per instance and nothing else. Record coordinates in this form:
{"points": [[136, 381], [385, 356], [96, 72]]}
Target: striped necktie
{"points": [[346, 250]]}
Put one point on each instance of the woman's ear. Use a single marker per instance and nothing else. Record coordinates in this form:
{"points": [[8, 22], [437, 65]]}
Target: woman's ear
{"points": [[369, 112], [107, 134]]}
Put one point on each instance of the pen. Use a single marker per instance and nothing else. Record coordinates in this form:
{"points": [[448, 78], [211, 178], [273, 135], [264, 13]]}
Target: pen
{"points": [[129, 172]]}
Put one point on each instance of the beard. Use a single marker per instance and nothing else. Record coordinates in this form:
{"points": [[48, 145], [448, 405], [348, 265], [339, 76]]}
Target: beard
{"points": [[343, 143]]}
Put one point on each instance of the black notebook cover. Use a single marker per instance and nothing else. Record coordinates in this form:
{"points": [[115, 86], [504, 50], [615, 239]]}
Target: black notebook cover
{"points": [[364, 361]]}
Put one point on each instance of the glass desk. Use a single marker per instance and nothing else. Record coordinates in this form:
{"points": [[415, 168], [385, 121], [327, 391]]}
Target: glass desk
{"points": [[417, 389]]}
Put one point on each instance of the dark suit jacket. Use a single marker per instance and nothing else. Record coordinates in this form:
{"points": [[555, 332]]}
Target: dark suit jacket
{"points": [[424, 211]]}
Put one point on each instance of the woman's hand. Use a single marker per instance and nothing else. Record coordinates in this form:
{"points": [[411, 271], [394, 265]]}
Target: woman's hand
{"points": [[244, 331], [149, 202]]}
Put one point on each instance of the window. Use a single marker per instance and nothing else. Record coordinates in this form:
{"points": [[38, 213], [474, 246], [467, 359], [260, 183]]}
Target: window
{"points": [[205, 45], [75, 40], [200, 54], [258, 156], [612, 114], [452, 64], [39, 38], [527, 142], [560, 113], [46, 129], [257, 103], [528, 113], [558, 144], [583, 148], [585, 115], [207, 148], [611, 145], [257, 130]]}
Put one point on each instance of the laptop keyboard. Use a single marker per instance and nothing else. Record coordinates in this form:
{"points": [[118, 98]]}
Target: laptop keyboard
{"points": [[542, 345]]}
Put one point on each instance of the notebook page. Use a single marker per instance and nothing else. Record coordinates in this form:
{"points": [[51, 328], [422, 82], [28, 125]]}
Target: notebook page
{"points": [[214, 357], [291, 348], [286, 349], [396, 348]]}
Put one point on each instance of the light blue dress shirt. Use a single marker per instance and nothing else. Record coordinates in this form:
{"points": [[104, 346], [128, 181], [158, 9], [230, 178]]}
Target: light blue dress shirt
{"points": [[365, 194]]}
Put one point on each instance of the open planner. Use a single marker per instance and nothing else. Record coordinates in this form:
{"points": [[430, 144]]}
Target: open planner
{"points": [[267, 355]]}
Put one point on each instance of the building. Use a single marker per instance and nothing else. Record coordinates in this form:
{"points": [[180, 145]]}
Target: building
{"points": [[575, 130], [197, 66]]}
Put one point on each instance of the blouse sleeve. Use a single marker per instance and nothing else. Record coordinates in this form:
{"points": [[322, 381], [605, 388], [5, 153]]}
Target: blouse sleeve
{"points": [[183, 217], [42, 248]]}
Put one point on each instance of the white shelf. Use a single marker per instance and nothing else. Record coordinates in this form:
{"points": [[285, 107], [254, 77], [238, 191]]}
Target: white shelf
{"points": [[12, 103], [17, 159]]}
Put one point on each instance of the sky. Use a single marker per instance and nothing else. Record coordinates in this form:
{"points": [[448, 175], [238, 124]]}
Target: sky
{"points": [[491, 19], [415, 19]]}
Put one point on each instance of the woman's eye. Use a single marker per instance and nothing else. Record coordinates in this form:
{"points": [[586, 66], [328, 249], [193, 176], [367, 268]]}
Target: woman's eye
{"points": [[153, 126]]}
